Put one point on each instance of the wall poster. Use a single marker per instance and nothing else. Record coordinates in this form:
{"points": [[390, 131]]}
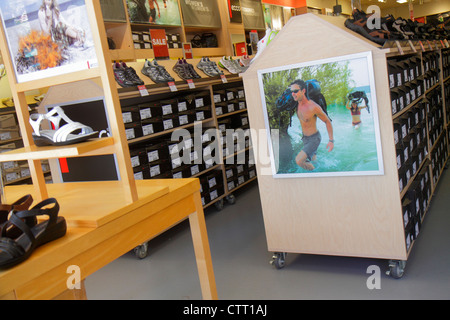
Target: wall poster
{"points": [[321, 118], [200, 13], [161, 12], [47, 37]]}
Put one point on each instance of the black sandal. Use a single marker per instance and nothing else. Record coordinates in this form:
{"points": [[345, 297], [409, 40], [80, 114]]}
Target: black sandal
{"points": [[15, 250], [19, 205]]}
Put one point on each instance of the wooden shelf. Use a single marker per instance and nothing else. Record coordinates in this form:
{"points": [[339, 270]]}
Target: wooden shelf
{"points": [[97, 146]]}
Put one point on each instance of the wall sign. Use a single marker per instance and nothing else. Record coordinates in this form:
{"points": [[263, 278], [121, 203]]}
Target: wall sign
{"points": [[252, 14], [234, 11], [200, 13], [159, 43]]}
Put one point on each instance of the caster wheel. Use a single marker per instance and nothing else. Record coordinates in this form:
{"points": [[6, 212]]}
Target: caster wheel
{"points": [[231, 199], [396, 269], [279, 260], [141, 251], [219, 204]]}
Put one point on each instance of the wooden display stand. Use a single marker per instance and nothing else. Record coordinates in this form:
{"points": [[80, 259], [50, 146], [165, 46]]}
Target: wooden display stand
{"points": [[127, 213], [315, 215]]}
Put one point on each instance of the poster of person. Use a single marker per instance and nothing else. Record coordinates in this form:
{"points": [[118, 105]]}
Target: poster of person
{"points": [[163, 12], [47, 37], [322, 118]]}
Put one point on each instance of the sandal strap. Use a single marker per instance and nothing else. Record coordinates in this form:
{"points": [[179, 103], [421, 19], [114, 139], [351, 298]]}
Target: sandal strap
{"points": [[62, 133], [20, 204], [18, 218], [11, 247]]}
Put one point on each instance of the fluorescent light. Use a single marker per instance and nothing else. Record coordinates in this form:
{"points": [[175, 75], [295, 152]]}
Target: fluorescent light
{"points": [[402, 1]]}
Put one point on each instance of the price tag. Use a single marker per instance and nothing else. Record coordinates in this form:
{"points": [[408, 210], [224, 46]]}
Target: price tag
{"points": [[190, 83], [143, 90], [224, 79], [172, 86]]}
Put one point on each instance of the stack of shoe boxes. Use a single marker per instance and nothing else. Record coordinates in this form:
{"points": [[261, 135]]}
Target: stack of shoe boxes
{"points": [[146, 118], [405, 81], [173, 40], [142, 40]]}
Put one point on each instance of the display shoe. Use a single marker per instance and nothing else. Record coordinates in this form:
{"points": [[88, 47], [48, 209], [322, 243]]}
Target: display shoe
{"points": [[162, 71], [16, 250], [207, 68], [152, 71], [229, 64], [19, 205], [359, 25], [182, 70], [131, 74], [191, 69], [214, 66], [65, 130], [121, 76]]}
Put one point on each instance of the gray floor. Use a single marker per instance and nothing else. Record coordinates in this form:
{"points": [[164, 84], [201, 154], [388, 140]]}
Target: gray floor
{"points": [[242, 269]]}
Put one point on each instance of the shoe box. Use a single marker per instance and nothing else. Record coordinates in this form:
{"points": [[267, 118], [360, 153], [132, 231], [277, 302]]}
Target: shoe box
{"points": [[431, 69], [211, 186], [439, 156], [147, 117], [173, 40], [435, 114], [229, 100], [142, 40], [445, 63], [410, 138], [405, 82]]}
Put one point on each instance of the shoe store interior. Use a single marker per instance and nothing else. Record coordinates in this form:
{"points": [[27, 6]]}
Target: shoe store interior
{"points": [[224, 150]]}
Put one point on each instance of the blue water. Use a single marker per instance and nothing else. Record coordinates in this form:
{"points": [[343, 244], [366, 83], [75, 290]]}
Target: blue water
{"points": [[354, 149]]}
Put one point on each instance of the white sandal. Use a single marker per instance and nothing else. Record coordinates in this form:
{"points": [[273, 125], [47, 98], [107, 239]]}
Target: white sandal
{"points": [[69, 133]]}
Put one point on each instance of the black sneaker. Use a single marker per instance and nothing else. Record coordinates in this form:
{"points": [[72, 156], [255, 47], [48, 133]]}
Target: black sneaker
{"points": [[191, 69], [132, 75], [121, 77], [182, 70]]}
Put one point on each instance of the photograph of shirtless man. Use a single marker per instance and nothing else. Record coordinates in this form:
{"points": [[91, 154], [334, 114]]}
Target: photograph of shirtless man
{"points": [[308, 111]]}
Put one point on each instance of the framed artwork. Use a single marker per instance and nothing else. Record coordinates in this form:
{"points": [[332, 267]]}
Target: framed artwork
{"points": [[47, 37], [321, 118]]}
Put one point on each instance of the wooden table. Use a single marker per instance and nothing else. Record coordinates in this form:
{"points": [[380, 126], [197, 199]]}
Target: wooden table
{"points": [[102, 226]]}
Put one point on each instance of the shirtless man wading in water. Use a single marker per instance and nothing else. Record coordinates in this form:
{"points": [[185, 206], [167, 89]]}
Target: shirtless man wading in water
{"points": [[308, 111]]}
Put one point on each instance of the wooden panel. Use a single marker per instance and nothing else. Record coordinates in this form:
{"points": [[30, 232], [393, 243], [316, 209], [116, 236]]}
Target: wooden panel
{"points": [[49, 152], [350, 216], [79, 201]]}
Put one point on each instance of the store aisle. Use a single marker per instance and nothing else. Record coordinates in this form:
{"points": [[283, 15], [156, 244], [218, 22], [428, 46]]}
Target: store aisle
{"points": [[242, 269]]}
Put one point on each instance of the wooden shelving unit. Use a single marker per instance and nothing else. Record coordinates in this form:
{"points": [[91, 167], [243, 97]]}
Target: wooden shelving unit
{"points": [[316, 215]]}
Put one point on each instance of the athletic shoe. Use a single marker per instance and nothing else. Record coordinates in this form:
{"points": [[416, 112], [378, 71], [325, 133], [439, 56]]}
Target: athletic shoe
{"points": [[207, 68], [191, 69], [182, 70], [153, 72], [162, 71], [121, 76], [214, 66], [245, 60], [264, 42], [132, 75], [229, 64]]}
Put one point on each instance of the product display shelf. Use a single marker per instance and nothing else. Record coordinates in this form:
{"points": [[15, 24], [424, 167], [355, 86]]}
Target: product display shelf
{"points": [[123, 198], [121, 32], [218, 95], [384, 217]]}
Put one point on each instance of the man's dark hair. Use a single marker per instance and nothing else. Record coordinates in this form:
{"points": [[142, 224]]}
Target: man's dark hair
{"points": [[300, 83]]}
